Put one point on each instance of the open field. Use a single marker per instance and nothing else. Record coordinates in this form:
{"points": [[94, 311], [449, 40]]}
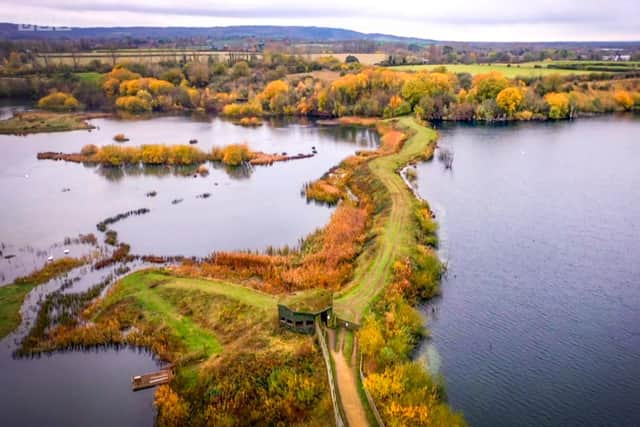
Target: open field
{"points": [[364, 58], [177, 55], [373, 269], [140, 55], [324, 75], [90, 77], [524, 70]]}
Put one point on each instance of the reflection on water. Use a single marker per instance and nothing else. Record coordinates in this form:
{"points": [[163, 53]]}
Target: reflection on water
{"points": [[77, 196], [539, 322]]}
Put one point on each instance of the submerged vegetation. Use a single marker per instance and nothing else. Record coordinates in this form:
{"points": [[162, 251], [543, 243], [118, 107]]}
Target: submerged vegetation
{"points": [[12, 296]]}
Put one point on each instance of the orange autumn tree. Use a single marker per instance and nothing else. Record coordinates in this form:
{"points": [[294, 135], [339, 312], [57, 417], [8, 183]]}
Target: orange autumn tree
{"points": [[623, 99]]}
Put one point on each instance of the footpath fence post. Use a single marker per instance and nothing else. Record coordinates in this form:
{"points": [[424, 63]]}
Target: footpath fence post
{"points": [[337, 409]]}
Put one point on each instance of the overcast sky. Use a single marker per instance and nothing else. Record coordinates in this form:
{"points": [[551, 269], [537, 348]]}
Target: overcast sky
{"points": [[485, 20]]}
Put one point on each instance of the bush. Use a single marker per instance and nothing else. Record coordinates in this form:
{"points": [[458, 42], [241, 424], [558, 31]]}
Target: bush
{"points": [[89, 150], [59, 101], [120, 138], [141, 103], [558, 105], [235, 154], [249, 109]]}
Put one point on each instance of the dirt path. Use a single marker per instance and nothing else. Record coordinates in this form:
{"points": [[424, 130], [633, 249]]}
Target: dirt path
{"points": [[348, 387]]}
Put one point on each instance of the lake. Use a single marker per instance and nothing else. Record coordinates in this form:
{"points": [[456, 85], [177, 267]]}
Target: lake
{"points": [[249, 208], [539, 321]]}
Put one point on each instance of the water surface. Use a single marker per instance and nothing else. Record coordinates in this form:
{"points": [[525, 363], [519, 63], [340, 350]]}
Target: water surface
{"points": [[249, 208], [539, 323]]}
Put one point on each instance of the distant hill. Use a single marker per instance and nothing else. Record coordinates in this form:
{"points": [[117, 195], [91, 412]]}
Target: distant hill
{"points": [[262, 32]]}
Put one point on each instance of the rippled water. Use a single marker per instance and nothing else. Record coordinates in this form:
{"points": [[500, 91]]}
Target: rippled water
{"points": [[539, 322]]}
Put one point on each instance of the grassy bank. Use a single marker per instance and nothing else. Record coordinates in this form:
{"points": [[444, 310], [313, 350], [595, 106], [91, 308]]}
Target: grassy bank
{"points": [[234, 365], [396, 229], [12, 296], [40, 121]]}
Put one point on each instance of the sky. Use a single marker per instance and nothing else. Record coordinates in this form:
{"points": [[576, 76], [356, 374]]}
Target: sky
{"points": [[461, 20]]}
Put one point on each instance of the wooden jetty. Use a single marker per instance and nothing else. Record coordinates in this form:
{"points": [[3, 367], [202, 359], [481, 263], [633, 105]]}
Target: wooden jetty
{"points": [[153, 379]]}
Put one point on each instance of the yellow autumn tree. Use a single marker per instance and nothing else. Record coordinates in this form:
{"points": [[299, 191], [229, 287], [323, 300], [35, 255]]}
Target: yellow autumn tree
{"points": [[559, 104], [510, 99], [273, 96], [235, 154], [430, 84], [116, 76], [59, 101], [488, 85], [370, 337], [172, 410]]}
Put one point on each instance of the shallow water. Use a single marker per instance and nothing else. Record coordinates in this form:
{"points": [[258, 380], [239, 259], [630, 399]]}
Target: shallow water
{"points": [[248, 208], [539, 322]]}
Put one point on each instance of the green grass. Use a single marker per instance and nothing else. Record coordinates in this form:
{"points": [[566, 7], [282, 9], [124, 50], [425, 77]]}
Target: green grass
{"points": [[141, 286], [347, 349], [12, 296], [515, 70], [151, 289], [11, 299], [397, 238], [40, 121], [90, 77], [236, 292]]}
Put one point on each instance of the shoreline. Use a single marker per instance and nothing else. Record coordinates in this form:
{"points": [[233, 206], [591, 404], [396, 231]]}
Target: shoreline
{"points": [[386, 167]]}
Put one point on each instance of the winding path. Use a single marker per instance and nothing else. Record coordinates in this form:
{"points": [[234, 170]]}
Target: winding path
{"points": [[374, 266]]}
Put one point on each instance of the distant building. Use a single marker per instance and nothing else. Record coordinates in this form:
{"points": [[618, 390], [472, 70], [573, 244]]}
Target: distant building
{"points": [[616, 58]]}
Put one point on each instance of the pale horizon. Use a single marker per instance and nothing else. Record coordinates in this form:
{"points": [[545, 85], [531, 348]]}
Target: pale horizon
{"points": [[487, 21]]}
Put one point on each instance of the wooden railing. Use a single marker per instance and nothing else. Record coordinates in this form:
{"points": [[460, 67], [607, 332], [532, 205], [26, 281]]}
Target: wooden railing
{"points": [[372, 404], [337, 408]]}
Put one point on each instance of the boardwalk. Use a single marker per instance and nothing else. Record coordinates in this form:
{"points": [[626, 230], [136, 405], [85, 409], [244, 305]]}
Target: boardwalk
{"points": [[141, 382]]}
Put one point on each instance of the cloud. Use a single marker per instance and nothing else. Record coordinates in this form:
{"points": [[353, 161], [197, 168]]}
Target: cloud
{"points": [[451, 19]]}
